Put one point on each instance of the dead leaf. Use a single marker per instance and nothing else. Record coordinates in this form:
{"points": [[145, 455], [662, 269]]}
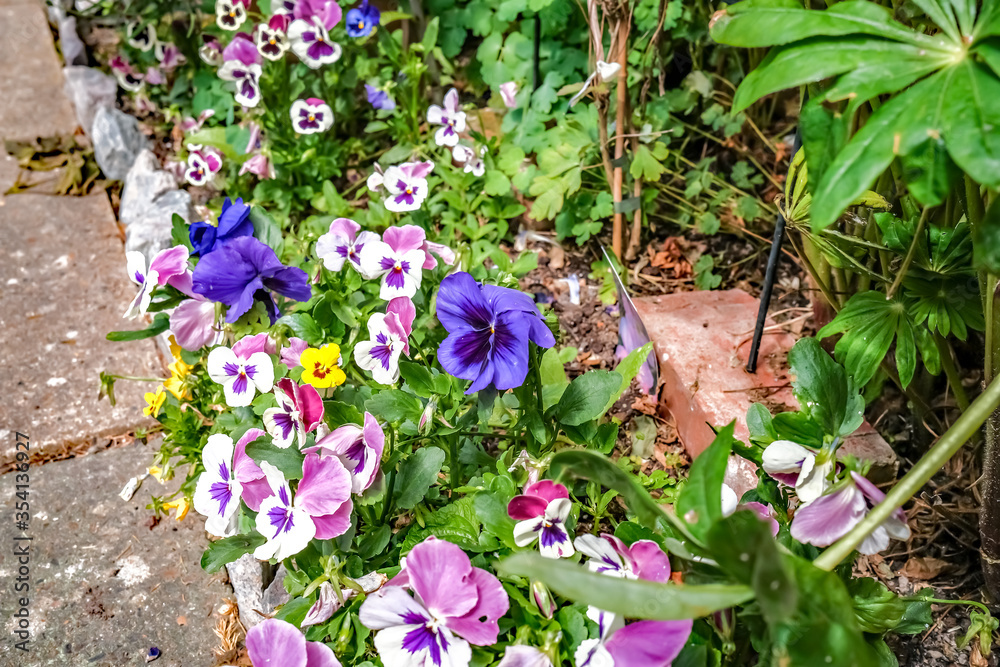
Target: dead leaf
{"points": [[557, 257], [923, 568], [976, 658]]}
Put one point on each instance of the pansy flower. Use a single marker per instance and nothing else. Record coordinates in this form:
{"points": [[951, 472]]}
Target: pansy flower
{"points": [[449, 117], [406, 185], [312, 44], [284, 7], [234, 221], [378, 98], [362, 20], [508, 93], [170, 56], [358, 448], [143, 38], [436, 625], [299, 411], [524, 656], [343, 244], [828, 518], [276, 642], [230, 14], [321, 367], [259, 166], [242, 49], [488, 332], [217, 494], [291, 355], [321, 507], [165, 267], [203, 163], [194, 325], [240, 375], [247, 79], [311, 115], [400, 271], [243, 270], [328, 12], [272, 39], [731, 503], [794, 465], [210, 51], [387, 340], [154, 402], [467, 155], [541, 513], [128, 78], [256, 488]]}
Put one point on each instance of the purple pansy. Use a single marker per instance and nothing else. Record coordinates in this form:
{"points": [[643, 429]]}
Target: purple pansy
{"points": [[246, 78], [242, 49], [259, 166], [378, 98], [405, 185], [362, 20], [210, 51], [449, 117], [230, 14], [154, 76], [828, 518], [343, 244], [217, 494], [488, 332], [299, 411], [272, 39], [632, 335], [311, 115], [194, 325], [234, 221], [166, 266], [311, 42], [244, 269], [170, 56], [387, 339], [128, 77], [358, 448], [202, 164], [541, 513], [794, 465], [240, 374], [328, 12], [277, 643], [411, 237], [290, 356], [436, 625]]}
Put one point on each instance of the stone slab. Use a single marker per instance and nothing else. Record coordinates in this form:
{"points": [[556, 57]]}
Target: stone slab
{"points": [[105, 587], [33, 103], [63, 287], [703, 342]]}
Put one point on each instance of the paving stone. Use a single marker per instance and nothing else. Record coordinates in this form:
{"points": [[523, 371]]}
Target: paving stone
{"points": [[62, 289], [703, 342], [33, 103], [105, 586]]}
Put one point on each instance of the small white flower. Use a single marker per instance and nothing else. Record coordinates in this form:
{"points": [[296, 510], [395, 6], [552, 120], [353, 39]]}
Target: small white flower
{"points": [[451, 120], [239, 377]]}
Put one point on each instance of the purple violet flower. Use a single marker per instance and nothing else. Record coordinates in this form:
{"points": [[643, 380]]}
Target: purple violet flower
{"points": [[541, 514], [240, 372], [342, 244], [276, 642], [311, 42], [358, 448], [489, 328], [311, 115], [242, 49], [379, 98], [299, 411], [234, 221], [362, 20], [243, 270], [217, 494], [246, 78]]}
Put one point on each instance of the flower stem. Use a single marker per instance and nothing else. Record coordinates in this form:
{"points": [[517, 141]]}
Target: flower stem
{"points": [[964, 428], [951, 371], [909, 255]]}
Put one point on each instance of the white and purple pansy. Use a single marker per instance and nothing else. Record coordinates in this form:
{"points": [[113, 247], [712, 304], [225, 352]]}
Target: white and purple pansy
{"points": [[435, 626], [230, 14], [508, 93], [299, 411], [202, 164], [128, 78], [406, 185], [166, 266], [467, 156], [541, 513], [401, 272], [311, 42], [311, 115], [793, 465], [246, 78], [387, 339], [359, 448], [217, 494], [287, 529], [449, 117], [272, 38], [343, 244], [142, 38], [240, 376]]}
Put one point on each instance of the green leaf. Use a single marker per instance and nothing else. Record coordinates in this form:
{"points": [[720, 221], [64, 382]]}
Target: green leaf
{"points": [[645, 165], [586, 397], [823, 390], [393, 405], [496, 183], [877, 609], [374, 541], [288, 461], [303, 326], [416, 475], [700, 502], [969, 118], [628, 368], [159, 324], [266, 230], [986, 239], [636, 598], [492, 511], [228, 549]]}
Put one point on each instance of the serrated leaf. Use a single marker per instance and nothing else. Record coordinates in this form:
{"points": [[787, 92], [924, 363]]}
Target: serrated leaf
{"points": [[228, 549], [416, 475]]}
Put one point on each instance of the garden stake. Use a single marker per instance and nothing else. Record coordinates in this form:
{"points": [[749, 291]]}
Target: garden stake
{"points": [[621, 42]]}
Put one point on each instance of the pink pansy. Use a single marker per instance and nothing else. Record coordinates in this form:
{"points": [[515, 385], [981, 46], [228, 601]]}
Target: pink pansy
{"points": [[277, 643], [311, 42], [541, 514], [410, 237], [248, 473], [290, 355], [730, 503], [170, 57], [449, 117], [253, 141], [311, 115], [272, 39], [343, 243], [400, 271], [203, 163], [327, 11], [358, 448], [128, 78], [218, 491], [194, 325], [508, 92], [436, 625], [154, 76], [299, 411], [166, 266], [524, 656], [405, 185], [259, 166], [794, 465], [380, 354], [240, 375], [638, 644], [189, 125], [405, 312], [248, 345], [242, 49], [246, 78], [210, 51], [828, 518]]}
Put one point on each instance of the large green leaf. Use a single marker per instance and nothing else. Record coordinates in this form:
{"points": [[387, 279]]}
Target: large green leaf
{"points": [[416, 475], [225, 551], [636, 598], [823, 389], [700, 502], [586, 397], [970, 118]]}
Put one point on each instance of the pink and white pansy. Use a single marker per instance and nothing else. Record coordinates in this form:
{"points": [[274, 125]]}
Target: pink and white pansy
{"points": [[240, 375], [202, 164], [247, 79], [272, 38], [400, 268], [359, 448], [449, 117], [343, 244], [541, 514], [311, 115], [388, 336], [299, 411], [435, 626], [467, 156], [793, 465], [311, 42], [230, 14], [217, 494], [166, 266], [405, 185]]}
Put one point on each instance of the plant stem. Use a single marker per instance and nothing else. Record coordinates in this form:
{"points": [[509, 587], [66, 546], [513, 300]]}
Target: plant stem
{"points": [[951, 371], [909, 255], [964, 428]]}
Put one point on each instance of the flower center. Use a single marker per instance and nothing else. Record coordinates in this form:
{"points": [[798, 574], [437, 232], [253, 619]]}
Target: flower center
{"points": [[320, 370], [272, 41], [361, 25], [312, 118], [397, 267], [409, 191], [232, 14]]}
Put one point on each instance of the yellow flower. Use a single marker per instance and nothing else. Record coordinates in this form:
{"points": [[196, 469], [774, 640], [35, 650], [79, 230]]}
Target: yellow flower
{"points": [[175, 349], [182, 506], [322, 366], [157, 473], [154, 402], [175, 383]]}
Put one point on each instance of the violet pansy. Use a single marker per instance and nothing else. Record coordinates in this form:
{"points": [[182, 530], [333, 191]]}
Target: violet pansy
{"points": [[230, 14], [277, 643], [272, 37], [467, 156], [311, 42], [255, 486], [541, 513], [343, 244], [166, 265], [405, 185], [246, 78], [387, 340], [359, 448], [299, 411], [242, 49], [794, 465], [400, 271], [217, 494], [311, 115], [240, 376], [449, 117]]}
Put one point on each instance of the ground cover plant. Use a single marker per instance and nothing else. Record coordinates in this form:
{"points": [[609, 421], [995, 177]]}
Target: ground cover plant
{"points": [[361, 390]]}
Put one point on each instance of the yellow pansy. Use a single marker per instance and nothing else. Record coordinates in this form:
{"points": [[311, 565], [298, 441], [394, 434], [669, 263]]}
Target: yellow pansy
{"points": [[175, 383], [154, 402], [157, 473], [322, 366], [182, 505]]}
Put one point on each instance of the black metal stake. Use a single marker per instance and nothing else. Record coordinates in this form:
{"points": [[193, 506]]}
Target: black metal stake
{"points": [[765, 293]]}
